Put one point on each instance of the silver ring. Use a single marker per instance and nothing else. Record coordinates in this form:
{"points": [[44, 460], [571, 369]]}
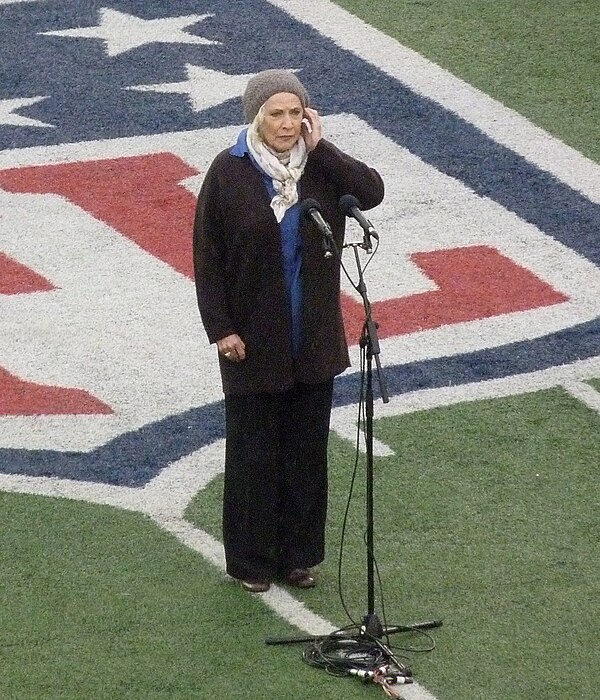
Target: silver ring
{"points": [[226, 354]]}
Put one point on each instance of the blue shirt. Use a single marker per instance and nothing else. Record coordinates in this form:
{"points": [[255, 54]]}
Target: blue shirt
{"points": [[291, 248]]}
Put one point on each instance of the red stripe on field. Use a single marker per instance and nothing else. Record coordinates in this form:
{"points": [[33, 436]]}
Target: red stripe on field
{"points": [[139, 196], [16, 278], [22, 398], [473, 283]]}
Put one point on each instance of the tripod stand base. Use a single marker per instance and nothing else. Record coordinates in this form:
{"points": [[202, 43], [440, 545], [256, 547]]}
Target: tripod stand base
{"points": [[370, 623], [372, 626]]}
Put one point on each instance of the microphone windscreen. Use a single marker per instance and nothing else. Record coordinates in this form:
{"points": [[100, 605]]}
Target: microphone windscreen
{"points": [[347, 202], [307, 205]]}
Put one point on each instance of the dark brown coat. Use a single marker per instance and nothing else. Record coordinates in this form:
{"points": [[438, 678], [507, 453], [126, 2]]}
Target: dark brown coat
{"points": [[239, 273]]}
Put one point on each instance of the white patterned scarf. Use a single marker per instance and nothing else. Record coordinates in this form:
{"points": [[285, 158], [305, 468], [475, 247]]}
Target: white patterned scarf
{"points": [[284, 169]]}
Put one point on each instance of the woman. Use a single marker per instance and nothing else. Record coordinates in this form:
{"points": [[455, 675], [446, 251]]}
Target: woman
{"points": [[269, 299]]}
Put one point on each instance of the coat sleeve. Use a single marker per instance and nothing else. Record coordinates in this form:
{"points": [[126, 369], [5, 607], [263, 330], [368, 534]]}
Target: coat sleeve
{"points": [[350, 175], [210, 260]]}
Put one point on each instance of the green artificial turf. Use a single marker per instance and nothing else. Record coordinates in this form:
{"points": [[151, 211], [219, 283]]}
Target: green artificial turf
{"points": [[99, 603], [488, 518], [540, 58]]}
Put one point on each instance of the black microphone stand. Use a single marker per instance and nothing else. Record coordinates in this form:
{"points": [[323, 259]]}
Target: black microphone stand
{"points": [[369, 340], [372, 627]]}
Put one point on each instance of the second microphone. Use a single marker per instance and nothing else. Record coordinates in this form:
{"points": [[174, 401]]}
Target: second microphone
{"points": [[310, 209]]}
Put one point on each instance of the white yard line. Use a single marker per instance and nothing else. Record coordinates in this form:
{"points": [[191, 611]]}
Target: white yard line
{"points": [[584, 393], [426, 78]]}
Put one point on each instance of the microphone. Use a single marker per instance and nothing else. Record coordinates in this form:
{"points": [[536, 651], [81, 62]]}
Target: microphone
{"points": [[310, 209], [350, 206]]}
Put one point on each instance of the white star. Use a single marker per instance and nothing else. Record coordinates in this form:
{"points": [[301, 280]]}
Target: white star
{"points": [[204, 87], [122, 32], [8, 107]]}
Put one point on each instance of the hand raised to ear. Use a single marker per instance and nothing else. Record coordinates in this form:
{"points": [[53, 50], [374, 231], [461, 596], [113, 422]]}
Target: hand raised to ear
{"points": [[312, 138]]}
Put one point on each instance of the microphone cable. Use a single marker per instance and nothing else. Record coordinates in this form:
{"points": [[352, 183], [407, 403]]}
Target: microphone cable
{"points": [[350, 651], [361, 422]]}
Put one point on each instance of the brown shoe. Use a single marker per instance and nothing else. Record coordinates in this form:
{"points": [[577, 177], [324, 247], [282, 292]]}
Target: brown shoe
{"points": [[300, 578], [255, 586]]}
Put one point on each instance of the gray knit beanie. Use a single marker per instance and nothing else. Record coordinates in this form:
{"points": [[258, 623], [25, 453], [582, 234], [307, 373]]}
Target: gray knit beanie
{"points": [[268, 83]]}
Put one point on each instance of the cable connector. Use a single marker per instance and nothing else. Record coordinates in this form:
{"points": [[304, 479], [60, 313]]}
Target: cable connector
{"points": [[364, 676], [399, 680], [383, 672]]}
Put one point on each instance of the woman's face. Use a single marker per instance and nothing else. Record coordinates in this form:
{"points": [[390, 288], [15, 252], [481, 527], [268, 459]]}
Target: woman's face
{"points": [[282, 121]]}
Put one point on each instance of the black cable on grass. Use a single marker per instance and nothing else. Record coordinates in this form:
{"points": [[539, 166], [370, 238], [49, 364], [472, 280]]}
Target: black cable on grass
{"points": [[339, 654], [363, 657]]}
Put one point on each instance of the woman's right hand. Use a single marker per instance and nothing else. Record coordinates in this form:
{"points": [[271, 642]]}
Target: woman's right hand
{"points": [[312, 137], [232, 348]]}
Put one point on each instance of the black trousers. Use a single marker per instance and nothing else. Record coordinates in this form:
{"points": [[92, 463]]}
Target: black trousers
{"points": [[275, 494]]}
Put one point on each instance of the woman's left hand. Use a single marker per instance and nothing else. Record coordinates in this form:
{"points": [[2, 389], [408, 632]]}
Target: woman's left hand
{"points": [[312, 137]]}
